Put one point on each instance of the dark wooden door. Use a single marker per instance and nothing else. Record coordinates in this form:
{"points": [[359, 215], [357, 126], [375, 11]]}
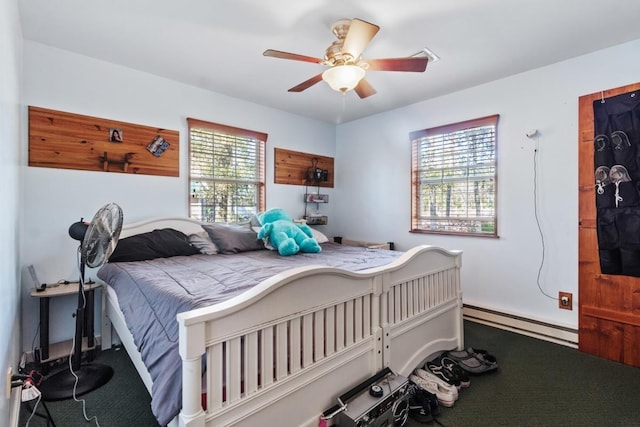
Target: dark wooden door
{"points": [[609, 316]]}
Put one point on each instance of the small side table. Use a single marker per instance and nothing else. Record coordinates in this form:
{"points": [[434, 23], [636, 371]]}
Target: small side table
{"points": [[62, 349], [370, 245]]}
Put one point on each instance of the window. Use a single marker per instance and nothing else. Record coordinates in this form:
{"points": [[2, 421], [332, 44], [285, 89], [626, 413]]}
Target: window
{"points": [[454, 181], [226, 172]]}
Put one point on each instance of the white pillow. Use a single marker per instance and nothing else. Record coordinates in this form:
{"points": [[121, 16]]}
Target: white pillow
{"points": [[319, 236]]}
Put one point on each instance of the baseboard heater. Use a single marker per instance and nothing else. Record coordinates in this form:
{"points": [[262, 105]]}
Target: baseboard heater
{"points": [[521, 325]]}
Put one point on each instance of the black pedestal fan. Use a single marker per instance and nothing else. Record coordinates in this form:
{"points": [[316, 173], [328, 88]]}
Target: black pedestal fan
{"points": [[98, 240]]}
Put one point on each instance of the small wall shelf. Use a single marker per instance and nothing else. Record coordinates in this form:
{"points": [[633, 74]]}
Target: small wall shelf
{"points": [[317, 199], [317, 219]]}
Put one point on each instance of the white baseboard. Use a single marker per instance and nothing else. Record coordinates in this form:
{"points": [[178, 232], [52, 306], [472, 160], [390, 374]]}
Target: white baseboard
{"points": [[14, 407], [521, 325]]}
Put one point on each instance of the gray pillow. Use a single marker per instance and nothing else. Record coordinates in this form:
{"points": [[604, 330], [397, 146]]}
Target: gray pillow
{"points": [[231, 239], [203, 243]]}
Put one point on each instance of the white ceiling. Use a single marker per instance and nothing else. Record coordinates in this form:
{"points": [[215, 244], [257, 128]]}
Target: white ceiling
{"points": [[218, 44]]}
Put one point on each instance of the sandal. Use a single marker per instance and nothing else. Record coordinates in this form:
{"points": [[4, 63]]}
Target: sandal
{"points": [[474, 361], [472, 352], [475, 366]]}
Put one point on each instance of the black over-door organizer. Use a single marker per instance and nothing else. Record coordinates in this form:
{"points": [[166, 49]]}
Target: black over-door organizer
{"points": [[617, 179]]}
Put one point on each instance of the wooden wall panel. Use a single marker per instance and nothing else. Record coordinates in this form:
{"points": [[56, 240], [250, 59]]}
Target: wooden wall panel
{"points": [[291, 167], [609, 305], [64, 140]]}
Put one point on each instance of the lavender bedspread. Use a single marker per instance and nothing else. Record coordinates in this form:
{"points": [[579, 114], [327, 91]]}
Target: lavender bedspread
{"points": [[151, 294]]}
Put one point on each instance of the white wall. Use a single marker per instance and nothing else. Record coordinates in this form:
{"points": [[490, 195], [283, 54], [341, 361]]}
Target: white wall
{"points": [[10, 132], [55, 198], [496, 273]]}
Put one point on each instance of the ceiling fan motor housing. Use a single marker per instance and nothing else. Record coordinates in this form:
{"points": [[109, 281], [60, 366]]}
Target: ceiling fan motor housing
{"points": [[340, 28]]}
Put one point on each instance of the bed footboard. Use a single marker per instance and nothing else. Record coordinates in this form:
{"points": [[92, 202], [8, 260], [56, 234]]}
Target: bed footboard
{"points": [[283, 351]]}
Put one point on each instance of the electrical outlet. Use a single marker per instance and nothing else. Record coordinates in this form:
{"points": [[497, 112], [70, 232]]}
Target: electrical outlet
{"points": [[9, 375], [565, 300]]}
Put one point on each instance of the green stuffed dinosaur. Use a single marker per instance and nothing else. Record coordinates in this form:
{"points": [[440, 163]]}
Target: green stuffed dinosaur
{"points": [[285, 235]]}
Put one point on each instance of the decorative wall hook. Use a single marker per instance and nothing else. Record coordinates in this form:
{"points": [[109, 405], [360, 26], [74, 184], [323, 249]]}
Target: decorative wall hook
{"points": [[124, 163]]}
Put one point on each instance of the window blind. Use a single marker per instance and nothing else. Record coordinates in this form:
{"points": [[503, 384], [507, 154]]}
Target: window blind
{"points": [[454, 184], [226, 172]]}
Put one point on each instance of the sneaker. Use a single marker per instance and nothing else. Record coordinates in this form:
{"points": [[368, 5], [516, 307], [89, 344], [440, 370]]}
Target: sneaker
{"points": [[618, 174], [602, 179], [456, 370], [423, 406], [603, 154], [426, 375], [436, 368], [419, 408], [620, 140], [445, 397]]}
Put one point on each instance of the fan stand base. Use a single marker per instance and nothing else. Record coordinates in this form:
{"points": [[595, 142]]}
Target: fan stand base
{"points": [[60, 386]]}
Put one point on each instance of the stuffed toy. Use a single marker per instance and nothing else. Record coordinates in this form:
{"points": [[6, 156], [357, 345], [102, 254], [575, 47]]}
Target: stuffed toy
{"points": [[285, 235]]}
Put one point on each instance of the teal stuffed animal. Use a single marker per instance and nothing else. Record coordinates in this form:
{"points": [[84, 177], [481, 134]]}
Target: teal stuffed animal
{"points": [[284, 234]]}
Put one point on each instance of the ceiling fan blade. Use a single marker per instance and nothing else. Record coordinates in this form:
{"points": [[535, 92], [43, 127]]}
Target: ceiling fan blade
{"points": [[306, 84], [293, 56], [364, 89], [398, 64], [359, 35]]}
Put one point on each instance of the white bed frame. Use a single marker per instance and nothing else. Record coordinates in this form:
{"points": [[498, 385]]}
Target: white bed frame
{"points": [[281, 353]]}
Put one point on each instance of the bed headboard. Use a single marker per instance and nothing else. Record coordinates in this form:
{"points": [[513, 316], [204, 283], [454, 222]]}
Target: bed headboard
{"points": [[186, 225]]}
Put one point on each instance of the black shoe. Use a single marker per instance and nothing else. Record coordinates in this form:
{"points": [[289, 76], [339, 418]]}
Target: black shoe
{"points": [[441, 371], [451, 365], [423, 406]]}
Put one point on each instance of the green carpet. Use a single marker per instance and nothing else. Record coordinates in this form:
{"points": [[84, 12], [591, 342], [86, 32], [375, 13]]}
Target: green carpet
{"points": [[543, 384], [122, 402], [537, 384]]}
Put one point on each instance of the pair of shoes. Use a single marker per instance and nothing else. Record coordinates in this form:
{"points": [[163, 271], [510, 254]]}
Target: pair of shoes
{"points": [[445, 397], [474, 361], [423, 406], [625, 193], [443, 372]]}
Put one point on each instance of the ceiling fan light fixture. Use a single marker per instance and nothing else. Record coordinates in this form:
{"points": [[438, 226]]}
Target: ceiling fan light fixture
{"points": [[343, 78]]}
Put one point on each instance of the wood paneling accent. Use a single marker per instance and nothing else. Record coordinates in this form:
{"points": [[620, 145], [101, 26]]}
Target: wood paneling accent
{"points": [[291, 167], [64, 140], [609, 305]]}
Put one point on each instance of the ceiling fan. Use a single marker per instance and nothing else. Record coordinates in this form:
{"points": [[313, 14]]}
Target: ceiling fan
{"points": [[347, 68]]}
